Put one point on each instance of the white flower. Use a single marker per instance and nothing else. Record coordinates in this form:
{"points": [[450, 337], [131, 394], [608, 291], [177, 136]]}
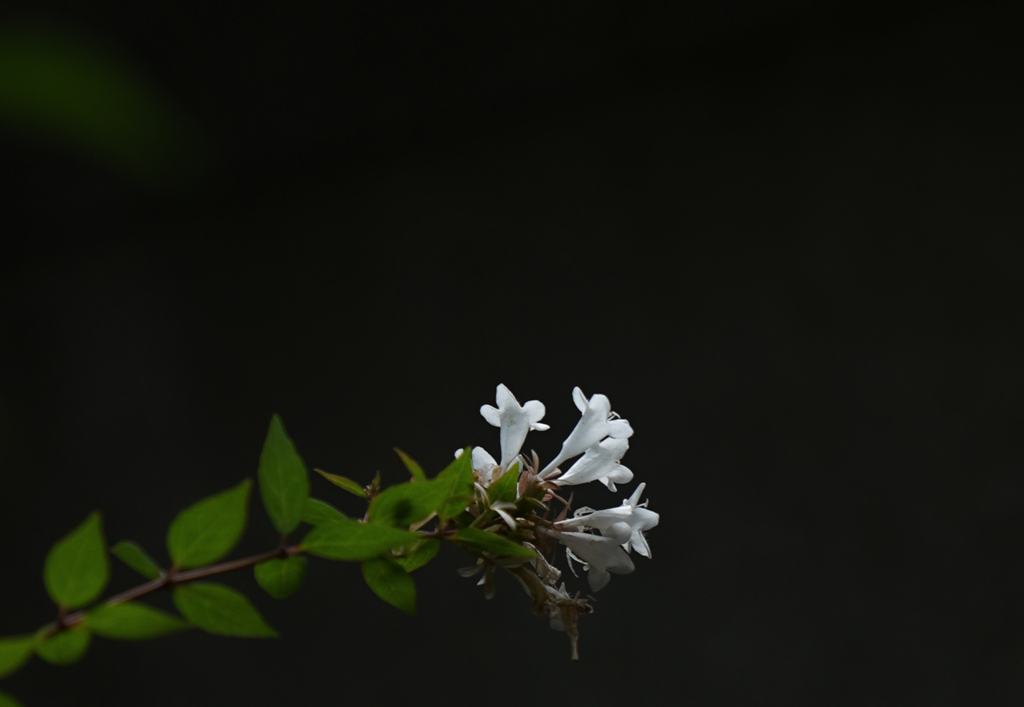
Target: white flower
{"points": [[599, 463], [595, 424], [599, 555], [514, 420], [625, 524]]}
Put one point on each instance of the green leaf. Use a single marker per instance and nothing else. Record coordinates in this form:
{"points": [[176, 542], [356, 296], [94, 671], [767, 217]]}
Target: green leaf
{"points": [[64, 648], [14, 651], [281, 576], [407, 503], [209, 529], [343, 482], [132, 622], [460, 491], [284, 481], [489, 542], [8, 701], [136, 558], [350, 540], [391, 583], [504, 489], [77, 568], [318, 512], [414, 468], [220, 610], [420, 554]]}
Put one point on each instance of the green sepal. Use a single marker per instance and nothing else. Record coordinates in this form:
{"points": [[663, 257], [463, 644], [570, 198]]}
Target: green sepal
{"points": [[405, 504], [419, 554], [14, 652], [391, 583], [350, 540], [504, 488], [138, 559], [318, 512], [77, 568], [8, 701], [460, 491], [209, 529], [221, 610], [281, 576], [489, 542], [132, 621], [415, 470], [284, 481], [64, 648], [343, 482]]}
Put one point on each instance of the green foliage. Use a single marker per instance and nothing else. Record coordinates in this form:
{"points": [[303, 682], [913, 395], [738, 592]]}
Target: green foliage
{"points": [[281, 576], [77, 569], [350, 540], [318, 512], [345, 483], [14, 651], [408, 503], [419, 554], [135, 557], [209, 529], [8, 701], [415, 470], [132, 622], [460, 492], [64, 648], [284, 481], [489, 542], [504, 489], [222, 610], [391, 583]]}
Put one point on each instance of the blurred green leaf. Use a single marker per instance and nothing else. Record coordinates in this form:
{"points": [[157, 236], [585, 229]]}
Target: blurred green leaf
{"points": [[281, 576], [414, 468], [489, 542], [64, 648], [504, 489], [391, 583], [420, 554], [77, 569], [284, 481], [350, 540], [222, 610], [135, 557], [318, 512], [209, 529], [459, 475], [404, 504], [132, 622], [8, 701], [14, 651], [342, 482]]}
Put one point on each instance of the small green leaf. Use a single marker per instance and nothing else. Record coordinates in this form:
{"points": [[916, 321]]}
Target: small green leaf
{"points": [[504, 489], [281, 576], [132, 622], [64, 648], [414, 468], [284, 481], [220, 610], [350, 540], [209, 529], [407, 503], [77, 568], [420, 554], [8, 701], [342, 482], [14, 651], [460, 491], [318, 512], [391, 583], [489, 542], [136, 558]]}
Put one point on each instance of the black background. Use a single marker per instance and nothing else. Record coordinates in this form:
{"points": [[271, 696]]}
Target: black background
{"points": [[782, 237]]}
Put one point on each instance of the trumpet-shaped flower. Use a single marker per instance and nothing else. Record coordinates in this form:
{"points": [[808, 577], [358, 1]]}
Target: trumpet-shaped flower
{"points": [[599, 463], [600, 555], [514, 420], [597, 422], [625, 524]]}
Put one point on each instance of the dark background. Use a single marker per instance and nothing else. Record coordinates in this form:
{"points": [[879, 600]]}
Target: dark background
{"points": [[782, 237]]}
